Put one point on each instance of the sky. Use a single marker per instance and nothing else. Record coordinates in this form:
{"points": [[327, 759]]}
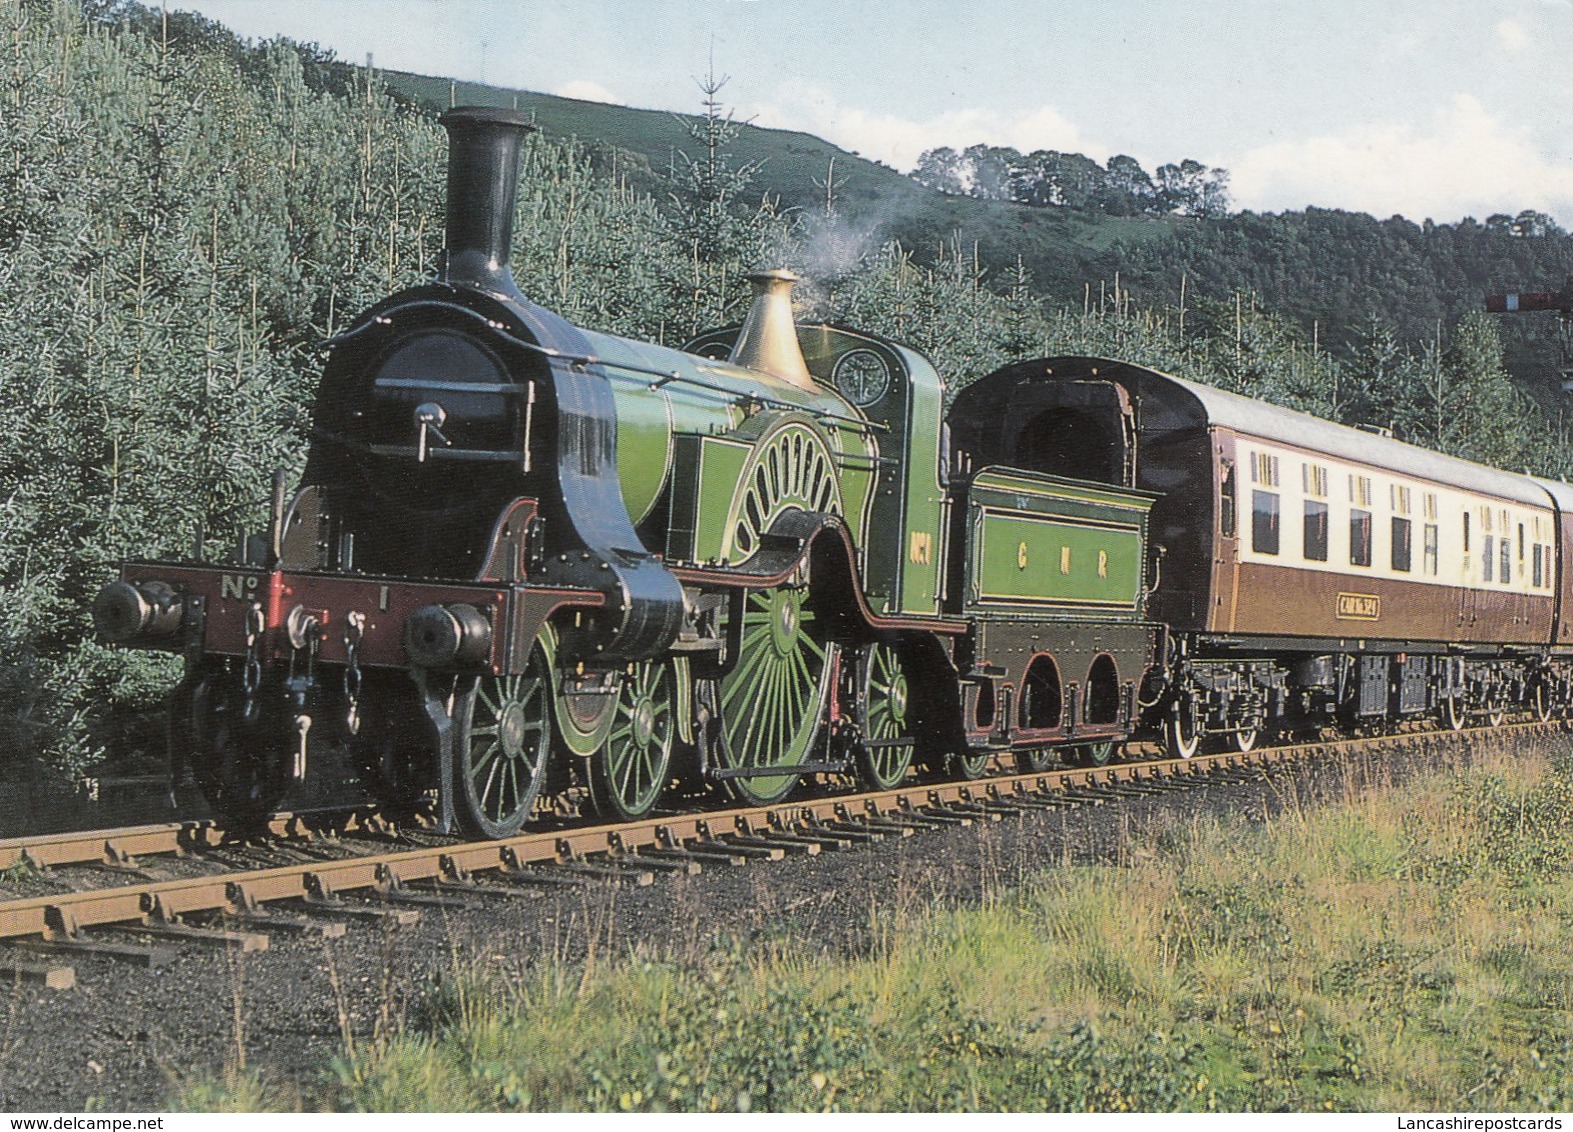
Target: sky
{"points": [[1427, 108]]}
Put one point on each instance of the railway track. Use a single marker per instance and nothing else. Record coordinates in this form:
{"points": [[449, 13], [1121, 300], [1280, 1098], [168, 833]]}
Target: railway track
{"points": [[321, 887]]}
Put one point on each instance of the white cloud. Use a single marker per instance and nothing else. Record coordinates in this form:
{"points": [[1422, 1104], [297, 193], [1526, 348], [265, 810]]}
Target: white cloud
{"points": [[899, 141], [1467, 162], [586, 91], [1513, 34]]}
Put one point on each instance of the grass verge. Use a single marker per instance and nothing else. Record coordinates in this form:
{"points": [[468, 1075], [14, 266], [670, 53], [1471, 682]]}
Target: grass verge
{"points": [[1405, 948]]}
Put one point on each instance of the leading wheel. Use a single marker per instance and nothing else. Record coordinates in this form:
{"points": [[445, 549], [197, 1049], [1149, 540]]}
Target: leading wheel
{"points": [[631, 769], [1182, 732], [240, 755], [885, 717], [773, 698], [392, 748], [1245, 739], [501, 743]]}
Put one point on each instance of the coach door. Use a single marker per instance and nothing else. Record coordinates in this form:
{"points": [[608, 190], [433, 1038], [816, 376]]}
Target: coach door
{"points": [[1226, 552], [1469, 594]]}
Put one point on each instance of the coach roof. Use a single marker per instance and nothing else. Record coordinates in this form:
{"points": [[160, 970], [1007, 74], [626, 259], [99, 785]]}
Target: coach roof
{"points": [[1196, 404]]}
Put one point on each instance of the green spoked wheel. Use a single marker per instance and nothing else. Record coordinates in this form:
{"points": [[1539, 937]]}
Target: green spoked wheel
{"points": [[501, 746], [631, 769], [969, 765], [1034, 760], [1097, 754], [773, 698], [885, 717]]}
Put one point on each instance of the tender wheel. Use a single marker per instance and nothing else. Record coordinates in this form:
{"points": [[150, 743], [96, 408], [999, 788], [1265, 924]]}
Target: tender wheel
{"points": [[1245, 739], [1495, 714], [631, 769], [1034, 760], [1182, 732], [885, 718], [1453, 714], [969, 765], [1091, 754], [773, 699], [243, 766], [502, 740]]}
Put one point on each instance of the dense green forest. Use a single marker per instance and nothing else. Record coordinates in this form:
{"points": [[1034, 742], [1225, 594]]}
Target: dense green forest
{"points": [[184, 217]]}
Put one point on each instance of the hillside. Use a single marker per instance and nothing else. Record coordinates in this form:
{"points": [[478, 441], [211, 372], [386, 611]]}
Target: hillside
{"points": [[1325, 268], [874, 201]]}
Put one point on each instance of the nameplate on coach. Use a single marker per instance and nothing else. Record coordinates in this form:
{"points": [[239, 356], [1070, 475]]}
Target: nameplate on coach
{"points": [[1359, 607]]}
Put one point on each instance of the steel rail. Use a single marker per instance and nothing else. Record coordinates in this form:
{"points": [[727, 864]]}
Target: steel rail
{"points": [[629, 847], [121, 847]]}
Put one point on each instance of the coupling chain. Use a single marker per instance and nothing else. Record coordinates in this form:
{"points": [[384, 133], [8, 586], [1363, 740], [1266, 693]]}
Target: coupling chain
{"points": [[251, 674], [354, 630]]}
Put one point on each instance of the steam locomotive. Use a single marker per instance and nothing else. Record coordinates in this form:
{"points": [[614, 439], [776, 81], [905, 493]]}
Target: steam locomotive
{"points": [[526, 556]]}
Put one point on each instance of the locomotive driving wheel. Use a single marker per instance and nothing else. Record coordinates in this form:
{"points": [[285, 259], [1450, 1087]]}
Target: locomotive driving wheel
{"points": [[239, 757], [773, 698], [886, 718], [631, 769], [501, 743]]}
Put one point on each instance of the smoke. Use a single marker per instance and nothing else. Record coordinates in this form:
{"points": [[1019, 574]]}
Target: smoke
{"points": [[836, 245]]}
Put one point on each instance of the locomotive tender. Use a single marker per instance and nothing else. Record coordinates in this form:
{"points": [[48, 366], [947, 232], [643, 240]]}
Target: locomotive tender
{"points": [[525, 555]]}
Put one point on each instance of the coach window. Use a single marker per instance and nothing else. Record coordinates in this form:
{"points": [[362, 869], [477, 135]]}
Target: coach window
{"points": [[1359, 538], [1537, 572], [1466, 532], [1507, 560], [1430, 549], [1265, 525], [1401, 544], [1313, 480], [1226, 499], [1264, 522], [1401, 499], [1315, 530]]}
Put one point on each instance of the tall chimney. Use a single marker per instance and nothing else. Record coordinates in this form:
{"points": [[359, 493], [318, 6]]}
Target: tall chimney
{"points": [[483, 181], [768, 340]]}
